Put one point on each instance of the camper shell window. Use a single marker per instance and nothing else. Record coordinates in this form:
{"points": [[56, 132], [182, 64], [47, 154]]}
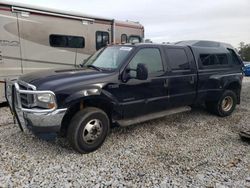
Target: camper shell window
{"points": [[66, 41], [124, 38], [235, 59], [102, 39], [213, 59]]}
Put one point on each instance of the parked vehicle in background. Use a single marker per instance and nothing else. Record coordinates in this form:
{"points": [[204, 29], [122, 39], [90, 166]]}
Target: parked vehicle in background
{"points": [[35, 38], [127, 84], [246, 68]]}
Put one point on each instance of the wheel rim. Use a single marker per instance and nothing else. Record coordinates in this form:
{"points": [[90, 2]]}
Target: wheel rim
{"points": [[227, 103], [92, 131]]}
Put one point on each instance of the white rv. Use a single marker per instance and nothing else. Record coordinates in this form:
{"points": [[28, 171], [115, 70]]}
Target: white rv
{"points": [[35, 38]]}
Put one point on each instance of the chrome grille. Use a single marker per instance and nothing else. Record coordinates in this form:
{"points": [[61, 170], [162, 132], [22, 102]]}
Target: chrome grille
{"points": [[27, 100]]}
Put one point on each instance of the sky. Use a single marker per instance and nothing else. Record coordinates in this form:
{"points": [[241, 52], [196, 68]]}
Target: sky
{"points": [[170, 20]]}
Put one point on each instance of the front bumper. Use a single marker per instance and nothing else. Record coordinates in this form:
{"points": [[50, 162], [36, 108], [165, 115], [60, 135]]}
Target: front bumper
{"points": [[44, 122], [35, 119]]}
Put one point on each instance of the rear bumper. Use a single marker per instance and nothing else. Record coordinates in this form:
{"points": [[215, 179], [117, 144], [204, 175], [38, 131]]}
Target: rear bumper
{"points": [[35, 119]]}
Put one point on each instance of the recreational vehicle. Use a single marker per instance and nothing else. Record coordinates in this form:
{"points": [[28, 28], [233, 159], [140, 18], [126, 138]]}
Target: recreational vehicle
{"points": [[35, 38]]}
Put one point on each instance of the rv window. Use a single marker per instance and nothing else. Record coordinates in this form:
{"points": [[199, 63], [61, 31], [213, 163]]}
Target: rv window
{"points": [[65, 41], [102, 39], [124, 38], [134, 39], [76, 42]]}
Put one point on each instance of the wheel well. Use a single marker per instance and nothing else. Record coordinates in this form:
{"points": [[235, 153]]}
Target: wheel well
{"points": [[98, 103], [236, 87]]}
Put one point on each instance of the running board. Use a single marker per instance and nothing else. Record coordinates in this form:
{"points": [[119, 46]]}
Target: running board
{"points": [[147, 117]]}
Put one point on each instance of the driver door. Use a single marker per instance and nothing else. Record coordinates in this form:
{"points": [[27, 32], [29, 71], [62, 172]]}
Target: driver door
{"points": [[139, 97]]}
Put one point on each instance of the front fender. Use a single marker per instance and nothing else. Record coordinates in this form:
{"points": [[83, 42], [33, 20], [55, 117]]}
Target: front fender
{"points": [[90, 94], [82, 94]]}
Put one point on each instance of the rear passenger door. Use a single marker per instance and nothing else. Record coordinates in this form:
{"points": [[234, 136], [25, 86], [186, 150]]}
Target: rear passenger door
{"points": [[182, 77]]}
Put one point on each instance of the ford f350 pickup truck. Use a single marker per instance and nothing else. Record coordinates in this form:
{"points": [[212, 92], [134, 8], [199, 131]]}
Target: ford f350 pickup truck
{"points": [[126, 84]]}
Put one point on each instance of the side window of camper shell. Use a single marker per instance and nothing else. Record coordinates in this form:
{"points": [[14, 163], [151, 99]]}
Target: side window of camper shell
{"points": [[234, 57], [66, 41], [211, 60], [102, 39]]}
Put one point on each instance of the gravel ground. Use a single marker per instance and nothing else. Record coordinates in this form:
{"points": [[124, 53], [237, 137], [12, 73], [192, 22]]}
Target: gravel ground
{"points": [[193, 149]]}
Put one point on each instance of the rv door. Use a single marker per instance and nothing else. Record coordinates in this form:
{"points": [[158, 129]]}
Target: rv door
{"points": [[10, 62], [10, 58]]}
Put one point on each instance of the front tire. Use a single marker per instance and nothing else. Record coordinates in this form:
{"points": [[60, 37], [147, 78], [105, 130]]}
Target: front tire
{"points": [[225, 105], [88, 129]]}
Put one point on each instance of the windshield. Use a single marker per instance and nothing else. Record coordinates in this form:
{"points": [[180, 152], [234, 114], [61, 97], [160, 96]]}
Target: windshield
{"points": [[109, 58]]}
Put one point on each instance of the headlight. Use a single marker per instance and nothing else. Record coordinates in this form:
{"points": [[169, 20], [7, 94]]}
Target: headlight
{"points": [[45, 100]]}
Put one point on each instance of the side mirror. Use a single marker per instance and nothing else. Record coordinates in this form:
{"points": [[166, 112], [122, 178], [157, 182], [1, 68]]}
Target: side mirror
{"points": [[141, 72]]}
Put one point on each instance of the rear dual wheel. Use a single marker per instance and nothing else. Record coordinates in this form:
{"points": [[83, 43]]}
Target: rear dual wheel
{"points": [[225, 105], [88, 129]]}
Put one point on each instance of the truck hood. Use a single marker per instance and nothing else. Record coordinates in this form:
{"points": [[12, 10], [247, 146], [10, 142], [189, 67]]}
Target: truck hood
{"points": [[53, 79]]}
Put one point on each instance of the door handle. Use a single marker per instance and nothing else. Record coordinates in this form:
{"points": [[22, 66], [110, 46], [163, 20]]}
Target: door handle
{"points": [[192, 80], [166, 83]]}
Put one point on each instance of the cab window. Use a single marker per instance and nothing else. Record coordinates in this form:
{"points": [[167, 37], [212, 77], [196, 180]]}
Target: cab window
{"points": [[151, 57], [178, 59]]}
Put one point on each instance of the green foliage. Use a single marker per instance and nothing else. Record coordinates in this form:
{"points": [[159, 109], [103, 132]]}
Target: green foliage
{"points": [[244, 51]]}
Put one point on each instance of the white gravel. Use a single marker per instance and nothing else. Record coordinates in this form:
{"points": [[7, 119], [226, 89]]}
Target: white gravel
{"points": [[193, 149]]}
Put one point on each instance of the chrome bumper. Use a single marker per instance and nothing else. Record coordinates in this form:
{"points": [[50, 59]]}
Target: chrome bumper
{"points": [[35, 119], [44, 122]]}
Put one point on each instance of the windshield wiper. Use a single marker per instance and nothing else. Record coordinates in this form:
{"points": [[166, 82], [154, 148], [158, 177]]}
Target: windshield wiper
{"points": [[95, 67]]}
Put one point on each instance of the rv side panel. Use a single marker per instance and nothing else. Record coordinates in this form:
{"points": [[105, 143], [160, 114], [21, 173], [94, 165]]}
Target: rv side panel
{"points": [[128, 30], [44, 40], [98, 34]]}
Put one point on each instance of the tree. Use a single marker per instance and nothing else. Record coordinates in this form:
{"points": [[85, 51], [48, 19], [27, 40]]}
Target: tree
{"points": [[244, 51]]}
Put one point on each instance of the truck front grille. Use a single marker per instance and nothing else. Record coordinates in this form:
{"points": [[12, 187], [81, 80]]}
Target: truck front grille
{"points": [[27, 100]]}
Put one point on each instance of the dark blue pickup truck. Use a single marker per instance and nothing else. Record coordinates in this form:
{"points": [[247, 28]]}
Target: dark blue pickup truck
{"points": [[125, 85]]}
